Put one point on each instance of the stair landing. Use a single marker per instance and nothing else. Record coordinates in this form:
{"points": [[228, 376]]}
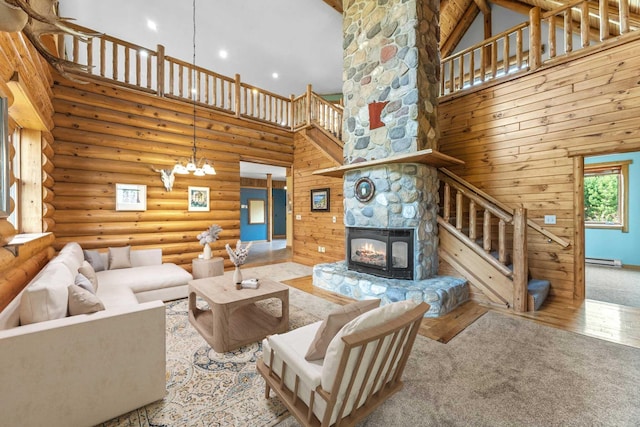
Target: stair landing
{"points": [[442, 293]]}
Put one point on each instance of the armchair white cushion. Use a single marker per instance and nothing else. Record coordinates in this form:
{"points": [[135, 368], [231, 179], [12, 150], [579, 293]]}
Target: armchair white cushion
{"points": [[363, 364]]}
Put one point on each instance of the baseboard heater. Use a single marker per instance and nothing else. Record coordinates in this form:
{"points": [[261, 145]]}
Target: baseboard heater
{"points": [[603, 261]]}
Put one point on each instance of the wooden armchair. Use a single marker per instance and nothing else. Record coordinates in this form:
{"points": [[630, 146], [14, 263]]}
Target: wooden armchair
{"points": [[362, 367]]}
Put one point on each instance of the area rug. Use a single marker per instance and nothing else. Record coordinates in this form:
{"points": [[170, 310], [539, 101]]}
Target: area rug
{"points": [[500, 371]]}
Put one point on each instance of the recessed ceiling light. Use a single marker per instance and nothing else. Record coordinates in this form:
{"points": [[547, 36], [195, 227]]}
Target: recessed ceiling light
{"points": [[152, 25], [274, 75], [223, 54]]}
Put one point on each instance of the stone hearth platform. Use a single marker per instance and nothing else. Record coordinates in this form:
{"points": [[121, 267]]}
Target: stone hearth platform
{"points": [[442, 293]]}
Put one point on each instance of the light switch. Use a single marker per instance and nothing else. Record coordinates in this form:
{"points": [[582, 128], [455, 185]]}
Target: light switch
{"points": [[298, 217]]}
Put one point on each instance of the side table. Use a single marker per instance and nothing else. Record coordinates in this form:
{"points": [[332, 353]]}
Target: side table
{"points": [[201, 268]]}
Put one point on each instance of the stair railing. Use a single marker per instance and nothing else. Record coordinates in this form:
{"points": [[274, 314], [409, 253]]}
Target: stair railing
{"points": [[461, 210], [522, 47]]}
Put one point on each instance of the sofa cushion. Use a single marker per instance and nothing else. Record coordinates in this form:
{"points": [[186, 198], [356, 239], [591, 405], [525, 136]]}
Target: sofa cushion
{"points": [[334, 322], [87, 271], [116, 295], [82, 281], [70, 255], [370, 319], [81, 301], [94, 258], [145, 278], [45, 297], [119, 258]]}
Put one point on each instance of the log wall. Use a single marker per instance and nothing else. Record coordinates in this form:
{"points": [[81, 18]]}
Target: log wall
{"points": [[519, 140], [315, 229], [18, 56], [106, 135]]}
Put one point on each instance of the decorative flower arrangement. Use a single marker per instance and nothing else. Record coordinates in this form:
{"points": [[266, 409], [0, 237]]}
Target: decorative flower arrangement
{"points": [[239, 256], [210, 235]]}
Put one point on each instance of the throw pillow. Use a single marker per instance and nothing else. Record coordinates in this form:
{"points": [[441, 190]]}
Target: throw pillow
{"points": [[82, 281], [82, 301], [333, 323], [94, 258], [87, 271], [119, 258]]}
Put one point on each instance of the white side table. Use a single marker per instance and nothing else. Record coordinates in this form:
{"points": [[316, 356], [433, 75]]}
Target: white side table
{"points": [[201, 268]]}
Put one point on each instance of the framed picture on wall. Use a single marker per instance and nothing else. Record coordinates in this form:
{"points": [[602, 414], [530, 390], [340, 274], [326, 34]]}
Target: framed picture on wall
{"points": [[131, 197], [320, 200], [199, 199]]}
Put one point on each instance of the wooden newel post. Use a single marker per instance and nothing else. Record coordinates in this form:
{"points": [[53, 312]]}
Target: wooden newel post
{"points": [[160, 70], [520, 260], [308, 118], [238, 94], [535, 39]]}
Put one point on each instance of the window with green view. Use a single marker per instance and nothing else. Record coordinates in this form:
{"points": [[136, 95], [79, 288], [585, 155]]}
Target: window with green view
{"points": [[605, 195]]}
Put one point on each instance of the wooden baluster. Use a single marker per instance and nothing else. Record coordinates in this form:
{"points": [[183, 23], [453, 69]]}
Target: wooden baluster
{"points": [[160, 64], [229, 95], [127, 65], [568, 31], [624, 16], [308, 104], [459, 210], [483, 64], [472, 220], [139, 67], [90, 55], [76, 49], [486, 231], [505, 55], [584, 23], [114, 61], [190, 85], [520, 260], [451, 76], [552, 36], [292, 123], [604, 20], [171, 83], [461, 72], [198, 83], [446, 214], [222, 83], [494, 59], [502, 241], [238, 95], [180, 81], [472, 67], [102, 55], [535, 41], [207, 89], [519, 48], [149, 68], [214, 91], [442, 77]]}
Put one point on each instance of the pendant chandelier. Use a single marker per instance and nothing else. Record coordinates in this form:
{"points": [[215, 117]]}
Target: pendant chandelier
{"points": [[199, 167]]}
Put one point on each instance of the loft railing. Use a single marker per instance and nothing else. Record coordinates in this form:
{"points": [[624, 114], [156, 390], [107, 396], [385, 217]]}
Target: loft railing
{"points": [[545, 37], [111, 59]]}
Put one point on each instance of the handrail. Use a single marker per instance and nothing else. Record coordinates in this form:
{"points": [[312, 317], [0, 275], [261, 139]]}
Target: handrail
{"points": [[525, 43], [504, 207]]}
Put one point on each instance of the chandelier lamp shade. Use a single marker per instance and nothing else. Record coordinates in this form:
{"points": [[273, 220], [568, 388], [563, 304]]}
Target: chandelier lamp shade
{"points": [[199, 167]]}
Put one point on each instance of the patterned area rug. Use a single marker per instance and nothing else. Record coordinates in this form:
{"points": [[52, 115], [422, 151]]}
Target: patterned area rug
{"points": [[205, 388]]}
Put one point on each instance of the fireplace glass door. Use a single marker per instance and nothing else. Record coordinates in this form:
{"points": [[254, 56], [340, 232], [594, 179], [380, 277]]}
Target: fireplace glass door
{"points": [[381, 251]]}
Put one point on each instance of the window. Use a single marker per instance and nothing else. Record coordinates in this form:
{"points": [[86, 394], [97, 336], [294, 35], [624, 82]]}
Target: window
{"points": [[606, 195]]}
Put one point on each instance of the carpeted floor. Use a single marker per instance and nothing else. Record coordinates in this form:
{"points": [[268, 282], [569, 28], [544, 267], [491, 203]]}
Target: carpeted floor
{"points": [[500, 371], [613, 285]]}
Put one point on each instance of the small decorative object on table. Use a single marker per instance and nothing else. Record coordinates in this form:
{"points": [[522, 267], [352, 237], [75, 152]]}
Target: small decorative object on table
{"points": [[238, 257], [250, 284], [208, 236]]}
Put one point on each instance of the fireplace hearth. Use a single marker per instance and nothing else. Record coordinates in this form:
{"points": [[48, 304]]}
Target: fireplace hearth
{"points": [[381, 251]]}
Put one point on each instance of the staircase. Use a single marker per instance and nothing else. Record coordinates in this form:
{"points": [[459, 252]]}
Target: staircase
{"points": [[486, 242]]}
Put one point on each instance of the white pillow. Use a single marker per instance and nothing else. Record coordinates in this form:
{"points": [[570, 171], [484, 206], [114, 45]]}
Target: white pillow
{"points": [[370, 319], [119, 258], [81, 301]]}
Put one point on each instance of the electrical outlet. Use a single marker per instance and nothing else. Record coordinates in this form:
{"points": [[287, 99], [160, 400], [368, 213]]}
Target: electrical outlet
{"points": [[322, 247], [298, 217], [550, 219], [334, 219], [319, 248]]}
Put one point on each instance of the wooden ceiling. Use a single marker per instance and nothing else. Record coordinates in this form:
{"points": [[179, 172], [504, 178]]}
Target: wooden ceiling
{"points": [[456, 16]]}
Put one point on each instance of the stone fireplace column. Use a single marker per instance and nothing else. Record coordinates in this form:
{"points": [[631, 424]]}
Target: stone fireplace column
{"points": [[391, 75]]}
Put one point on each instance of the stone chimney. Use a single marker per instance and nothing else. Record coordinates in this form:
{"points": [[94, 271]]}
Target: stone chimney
{"points": [[391, 75]]}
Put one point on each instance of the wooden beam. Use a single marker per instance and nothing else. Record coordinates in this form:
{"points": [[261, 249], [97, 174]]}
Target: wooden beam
{"points": [[514, 6], [484, 6], [447, 46], [336, 4]]}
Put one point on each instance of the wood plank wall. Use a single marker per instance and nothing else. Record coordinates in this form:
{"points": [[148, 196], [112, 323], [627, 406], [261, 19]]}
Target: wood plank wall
{"points": [[17, 55], [516, 139], [106, 135], [315, 228]]}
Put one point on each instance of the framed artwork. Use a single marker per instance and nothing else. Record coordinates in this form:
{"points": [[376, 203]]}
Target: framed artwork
{"points": [[320, 200], [364, 189], [256, 211], [199, 199], [131, 197]]}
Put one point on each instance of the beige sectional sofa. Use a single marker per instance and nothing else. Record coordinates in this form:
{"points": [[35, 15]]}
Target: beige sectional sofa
{"points": [[61, 370]]}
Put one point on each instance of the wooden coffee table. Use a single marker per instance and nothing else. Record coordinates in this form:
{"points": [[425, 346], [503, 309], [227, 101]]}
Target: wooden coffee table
{"points": [[233, 319]]}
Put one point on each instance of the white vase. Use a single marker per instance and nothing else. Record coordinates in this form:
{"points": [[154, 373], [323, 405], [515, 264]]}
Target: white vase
{"points": [[237, 275], [207, 251]]}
